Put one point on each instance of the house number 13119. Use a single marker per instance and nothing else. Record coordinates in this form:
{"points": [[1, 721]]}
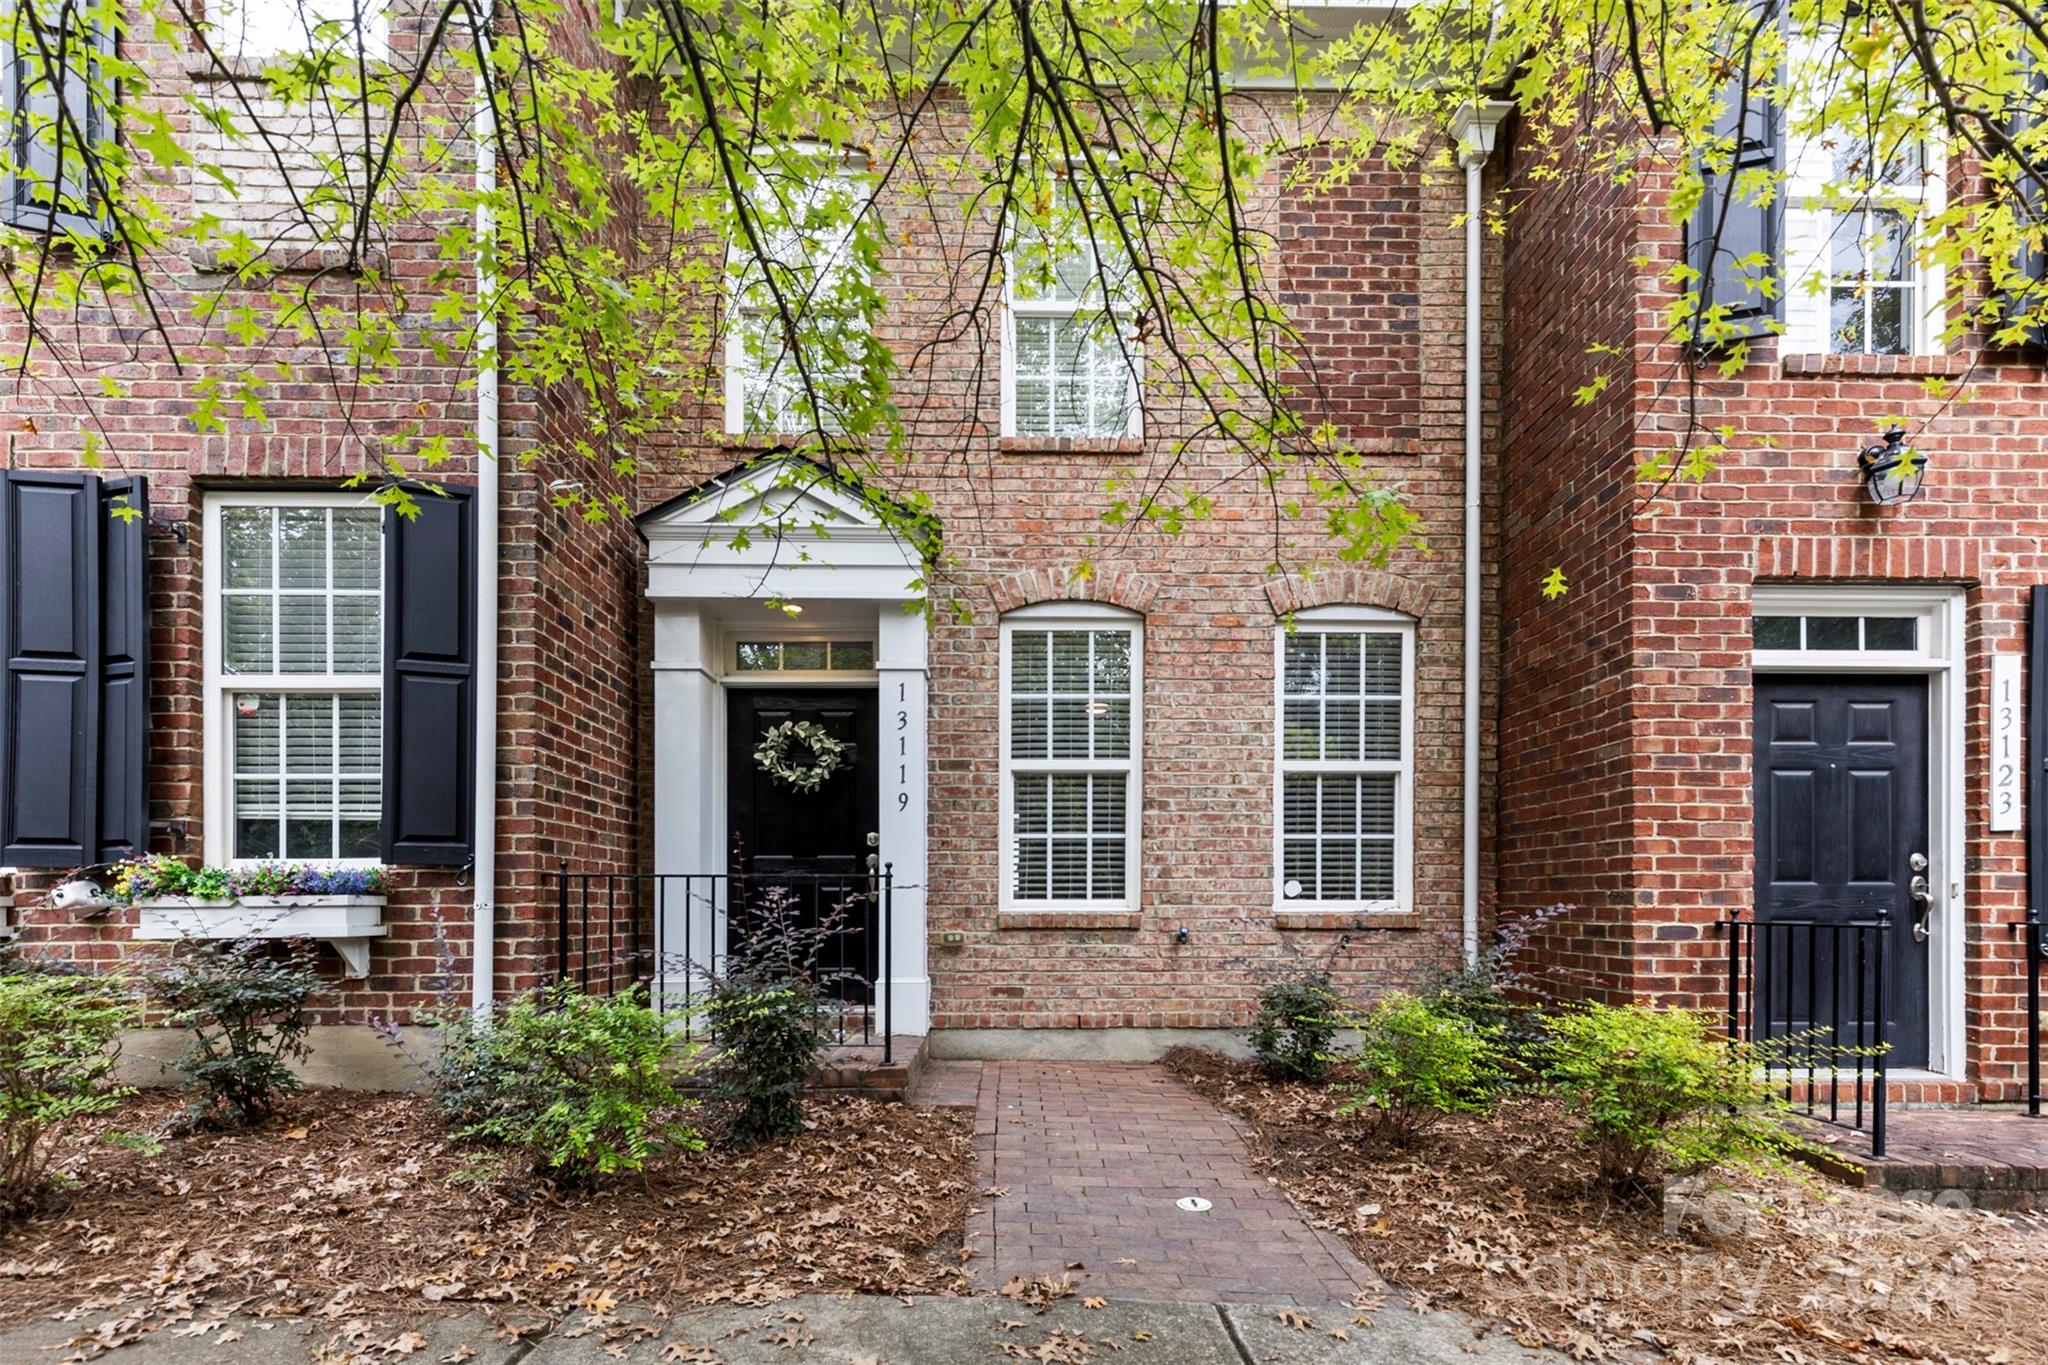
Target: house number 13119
{"points": [[2006, 796], [902, 748]]}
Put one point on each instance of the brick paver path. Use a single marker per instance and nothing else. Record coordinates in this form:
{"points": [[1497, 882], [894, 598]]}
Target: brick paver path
{"points": [[1091, 1158]]}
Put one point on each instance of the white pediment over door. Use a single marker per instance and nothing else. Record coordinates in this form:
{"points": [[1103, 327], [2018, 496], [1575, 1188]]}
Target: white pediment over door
{"points": [[782, 528]]}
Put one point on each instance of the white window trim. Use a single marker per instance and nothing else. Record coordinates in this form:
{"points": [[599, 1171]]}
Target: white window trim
{"points": [[1809, 164], [1348, 620], [1014, 308], [1073, 616], [852, 166], [218, 842]]}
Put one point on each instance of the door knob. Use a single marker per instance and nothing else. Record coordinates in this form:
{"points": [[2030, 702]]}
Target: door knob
{"points": [[1917, 888]]}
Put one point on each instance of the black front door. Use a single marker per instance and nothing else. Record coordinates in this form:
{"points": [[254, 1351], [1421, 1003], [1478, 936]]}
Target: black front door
{"points": [[1841, 831], [804, 854]]}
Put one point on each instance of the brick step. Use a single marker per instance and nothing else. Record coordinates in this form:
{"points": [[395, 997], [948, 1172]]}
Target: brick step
{"points": [[1971, 1158]]}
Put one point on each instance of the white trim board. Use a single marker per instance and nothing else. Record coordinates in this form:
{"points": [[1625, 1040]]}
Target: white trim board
{"points": [[1941, 612]]}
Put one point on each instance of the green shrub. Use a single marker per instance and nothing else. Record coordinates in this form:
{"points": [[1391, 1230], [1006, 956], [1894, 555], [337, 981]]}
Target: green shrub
{"points": [[58, 1044], [767, 1048], [1660, 1093], [1296, 1024], [1495, 990], [576, 1084], [765, 1011], [1418, 1062], [246, 1012]]}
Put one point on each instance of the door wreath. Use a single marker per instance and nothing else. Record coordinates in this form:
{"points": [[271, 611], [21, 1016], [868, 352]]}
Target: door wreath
{"points": [[782, 746]]}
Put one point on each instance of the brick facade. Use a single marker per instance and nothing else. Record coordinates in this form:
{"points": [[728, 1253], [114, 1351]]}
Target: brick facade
{"points": [[1626, 718], [1615, 734], [570, 592]]}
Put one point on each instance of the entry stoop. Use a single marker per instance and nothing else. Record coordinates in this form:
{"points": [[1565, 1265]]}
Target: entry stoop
{"points": [[1972, 1158], [861, 1070]]}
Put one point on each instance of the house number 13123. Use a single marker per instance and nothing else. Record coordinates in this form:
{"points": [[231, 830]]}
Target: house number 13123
{"points": [[2006, 797]]}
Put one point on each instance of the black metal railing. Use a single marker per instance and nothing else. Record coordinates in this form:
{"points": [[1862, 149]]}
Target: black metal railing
{"points": [[1818, 996], [676, 932]]}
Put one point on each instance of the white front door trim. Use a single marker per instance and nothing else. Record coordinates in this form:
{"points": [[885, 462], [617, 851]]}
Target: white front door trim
{"points": [[1940, 611], [801, 540]]}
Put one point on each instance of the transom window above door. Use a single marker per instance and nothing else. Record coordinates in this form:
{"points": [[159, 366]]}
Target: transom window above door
{"points": [[804, 656], [1829, 633]]}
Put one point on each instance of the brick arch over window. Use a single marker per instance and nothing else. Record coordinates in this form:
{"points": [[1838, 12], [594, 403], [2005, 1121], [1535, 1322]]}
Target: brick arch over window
{"points": [[1111, 587], [1351, 588]]}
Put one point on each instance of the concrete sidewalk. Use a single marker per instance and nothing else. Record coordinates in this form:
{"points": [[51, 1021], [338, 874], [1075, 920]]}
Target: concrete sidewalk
{"points": [[837, 1331]]}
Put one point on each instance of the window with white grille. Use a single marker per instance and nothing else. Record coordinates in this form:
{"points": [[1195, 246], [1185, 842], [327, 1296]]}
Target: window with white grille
{"points": [[295, 611], [1070, 734], [1345, 760], [1069, 354], [1855, 209], [810, 277]]}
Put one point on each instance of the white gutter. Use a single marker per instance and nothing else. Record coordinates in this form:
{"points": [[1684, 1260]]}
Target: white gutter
{"points": [[1474, 128], [484, 917]]}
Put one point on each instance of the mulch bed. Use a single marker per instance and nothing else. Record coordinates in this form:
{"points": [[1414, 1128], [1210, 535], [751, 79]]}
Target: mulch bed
{"points": [[353, 1205], [1494, 1216]]}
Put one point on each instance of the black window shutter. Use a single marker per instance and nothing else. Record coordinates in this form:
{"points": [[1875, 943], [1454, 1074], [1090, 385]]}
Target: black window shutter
{"points": [[1731, 241], [49, 692], [2030, 262], [124, 669], [53, 117], [430, 680]]}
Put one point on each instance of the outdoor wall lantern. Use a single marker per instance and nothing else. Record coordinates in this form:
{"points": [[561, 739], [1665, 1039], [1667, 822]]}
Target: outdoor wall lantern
{"points": [[1893, 470]]}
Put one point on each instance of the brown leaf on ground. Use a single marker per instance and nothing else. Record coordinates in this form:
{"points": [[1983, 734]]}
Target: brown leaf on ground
{"points": [[1493, 1216], [1039, 1293], [360, 1203]]}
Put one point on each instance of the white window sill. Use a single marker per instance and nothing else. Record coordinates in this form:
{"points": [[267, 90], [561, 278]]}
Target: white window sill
{"points": [[347, 922]]}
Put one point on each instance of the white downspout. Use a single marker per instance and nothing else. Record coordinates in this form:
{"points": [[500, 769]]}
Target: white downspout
{"points": [[1474, 128], [484, 919]]}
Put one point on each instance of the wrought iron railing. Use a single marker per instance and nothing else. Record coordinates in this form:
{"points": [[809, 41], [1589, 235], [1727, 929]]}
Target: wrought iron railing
{"points": [[677, 932], [1818, 993]]}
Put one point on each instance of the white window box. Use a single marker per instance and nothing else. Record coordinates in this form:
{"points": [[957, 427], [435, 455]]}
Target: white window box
{"points": [[347, 922]]}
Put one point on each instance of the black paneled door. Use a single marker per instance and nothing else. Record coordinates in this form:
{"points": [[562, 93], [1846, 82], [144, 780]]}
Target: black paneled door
{"points": [[1841, 822], [808, 848]]}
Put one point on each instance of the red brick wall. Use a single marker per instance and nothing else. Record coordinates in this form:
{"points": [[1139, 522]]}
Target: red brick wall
{"points": [[1374, 276], [1567, 810], [1679, 570], [568, 680]]}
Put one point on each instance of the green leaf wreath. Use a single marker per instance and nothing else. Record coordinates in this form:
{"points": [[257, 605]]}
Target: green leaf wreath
{"points": [[777, 754]]}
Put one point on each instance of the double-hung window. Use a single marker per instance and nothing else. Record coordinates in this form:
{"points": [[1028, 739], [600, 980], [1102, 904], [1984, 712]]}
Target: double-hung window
{"points": [[808, 275], [294, 644], [55, 97], [1072, 689], [1069, 351], [1346, 764], [1855, 207]]}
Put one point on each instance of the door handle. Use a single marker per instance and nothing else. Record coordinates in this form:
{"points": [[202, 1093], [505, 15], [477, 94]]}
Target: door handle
{"points": [[1923, 905]]}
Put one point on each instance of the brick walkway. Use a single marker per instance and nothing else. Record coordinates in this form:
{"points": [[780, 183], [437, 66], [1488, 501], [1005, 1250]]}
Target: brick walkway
{"points": [[1092, 1157]]}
